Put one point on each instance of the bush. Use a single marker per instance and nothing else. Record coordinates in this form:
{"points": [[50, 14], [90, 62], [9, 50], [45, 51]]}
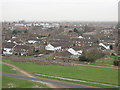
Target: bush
{"points": [[93, 55], [116, 63], [70, 31], [111, 47], [75, 30], [82, 58]]}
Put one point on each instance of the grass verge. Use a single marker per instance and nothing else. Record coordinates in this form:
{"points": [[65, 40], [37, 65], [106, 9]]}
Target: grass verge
{"points": [[83, 83], [10, 82]]}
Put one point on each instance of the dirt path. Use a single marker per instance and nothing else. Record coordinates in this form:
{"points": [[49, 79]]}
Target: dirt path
{"points": [[113, 67], [29, 75], [97, 66], [26, 74]]}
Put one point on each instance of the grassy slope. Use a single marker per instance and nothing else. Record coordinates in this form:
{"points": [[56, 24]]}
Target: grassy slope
{"points": [[106, 61], [103, 75], [19, 83]]}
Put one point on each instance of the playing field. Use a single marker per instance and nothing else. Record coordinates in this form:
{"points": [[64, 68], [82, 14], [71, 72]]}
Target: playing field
{"points": [[96, 74]]}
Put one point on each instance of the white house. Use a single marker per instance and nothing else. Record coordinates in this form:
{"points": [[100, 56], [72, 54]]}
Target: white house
{"points": [[32, 41], [106, 47], [73, 52], [80, 37], [13, 37], [80, 52], [9, 41], [8, 49], [14, 42], [50, 47], [19, 24]]}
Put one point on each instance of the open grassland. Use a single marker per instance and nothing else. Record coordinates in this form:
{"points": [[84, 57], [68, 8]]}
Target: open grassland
{"points": [[95, 74], [10, 82], [107, 61], [8, 69]]}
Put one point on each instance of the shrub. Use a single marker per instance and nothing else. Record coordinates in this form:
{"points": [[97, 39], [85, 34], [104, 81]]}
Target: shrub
{"points": [[75, 30], [82, 58], [93, 55], [85, 59], [116, 63]]}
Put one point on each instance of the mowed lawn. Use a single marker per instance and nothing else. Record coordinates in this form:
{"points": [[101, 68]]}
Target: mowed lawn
{"points": [[10, 82], [96, 74]]}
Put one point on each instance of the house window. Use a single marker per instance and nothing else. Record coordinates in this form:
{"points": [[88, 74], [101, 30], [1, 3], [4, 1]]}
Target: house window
{"points": [[10, 51]]}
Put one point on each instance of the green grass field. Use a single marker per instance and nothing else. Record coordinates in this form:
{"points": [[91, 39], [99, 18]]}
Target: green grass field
{"points": [[106, 61], [9, 82], [96, 74], [8, 69], [84, 83]]}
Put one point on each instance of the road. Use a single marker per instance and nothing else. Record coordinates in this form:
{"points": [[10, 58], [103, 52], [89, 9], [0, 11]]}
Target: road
{"points": [[55, 82]]}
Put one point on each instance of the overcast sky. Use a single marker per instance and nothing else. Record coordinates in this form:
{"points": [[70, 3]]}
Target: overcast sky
{"points": [[60, 10]]}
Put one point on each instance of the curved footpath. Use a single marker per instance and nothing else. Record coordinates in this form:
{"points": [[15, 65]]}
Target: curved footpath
{"points": [[45, 80], [48, 82]]}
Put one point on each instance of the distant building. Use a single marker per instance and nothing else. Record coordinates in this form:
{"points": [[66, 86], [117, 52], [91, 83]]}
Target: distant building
{"points": [[32, 41], [50, 47], [7, 48], [23, 50]]}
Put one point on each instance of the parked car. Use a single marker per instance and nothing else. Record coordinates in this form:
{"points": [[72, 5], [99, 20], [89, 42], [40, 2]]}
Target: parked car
{"points": [[39, 55], [4, 55], [35, 55]]}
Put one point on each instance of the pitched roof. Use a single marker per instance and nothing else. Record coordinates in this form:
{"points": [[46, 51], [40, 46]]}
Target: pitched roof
{"points": [[73, 52], [65, 54], [76, 48], [80, 37], [23, 47], [8, 45], [106, 47]]}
